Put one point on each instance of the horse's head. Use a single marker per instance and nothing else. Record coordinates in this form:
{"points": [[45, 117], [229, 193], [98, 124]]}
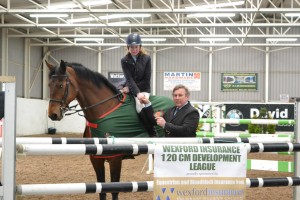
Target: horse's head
{"points": [[62, 90]]}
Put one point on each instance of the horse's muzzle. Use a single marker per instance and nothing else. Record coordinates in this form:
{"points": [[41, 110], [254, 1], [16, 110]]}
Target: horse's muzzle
{"points": [[54, 117]]}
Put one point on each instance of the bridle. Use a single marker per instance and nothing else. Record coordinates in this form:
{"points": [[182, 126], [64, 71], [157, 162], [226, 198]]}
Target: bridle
{"points": [[64, 108]]}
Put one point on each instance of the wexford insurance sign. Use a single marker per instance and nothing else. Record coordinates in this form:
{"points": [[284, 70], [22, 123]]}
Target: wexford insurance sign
{"points": [[199, 171]]}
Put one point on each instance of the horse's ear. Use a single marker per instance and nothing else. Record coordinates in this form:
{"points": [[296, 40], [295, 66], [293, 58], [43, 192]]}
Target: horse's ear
{"points": [[50, 67], [62, 67]]}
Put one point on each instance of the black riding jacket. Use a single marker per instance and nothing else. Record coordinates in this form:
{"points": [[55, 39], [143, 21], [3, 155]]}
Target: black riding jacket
{"points": [[137, 74]]}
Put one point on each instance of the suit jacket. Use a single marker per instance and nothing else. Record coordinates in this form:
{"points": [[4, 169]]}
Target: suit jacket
{"points": [[183, 124]]}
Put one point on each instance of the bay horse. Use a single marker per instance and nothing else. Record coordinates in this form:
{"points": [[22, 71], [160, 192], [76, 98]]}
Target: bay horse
{"points": [[107, 111]]}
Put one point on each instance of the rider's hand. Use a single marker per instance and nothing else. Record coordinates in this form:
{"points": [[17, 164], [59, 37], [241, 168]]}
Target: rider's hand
{"points": [[140, 96], [125, 90], [144, 100]]}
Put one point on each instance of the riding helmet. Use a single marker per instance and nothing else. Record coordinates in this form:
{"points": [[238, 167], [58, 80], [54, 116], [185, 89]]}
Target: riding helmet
{"points": [[133, 39]]}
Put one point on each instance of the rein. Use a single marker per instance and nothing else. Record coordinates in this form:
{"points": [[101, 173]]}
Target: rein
{"points": [[119, 95]]}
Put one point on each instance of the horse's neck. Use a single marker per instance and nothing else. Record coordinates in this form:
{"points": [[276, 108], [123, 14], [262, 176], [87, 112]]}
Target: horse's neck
{"points": [[89, 95]]}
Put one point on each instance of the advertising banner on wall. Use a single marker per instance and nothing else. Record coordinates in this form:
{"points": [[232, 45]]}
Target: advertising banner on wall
{"points": [[247, 111], [192, 80], [116, 78], [205, 171], [238, 81], [207, 111]]}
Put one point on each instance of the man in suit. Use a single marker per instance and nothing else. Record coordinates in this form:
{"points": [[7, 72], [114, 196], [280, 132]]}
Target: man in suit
{"points": [[182, 119]]}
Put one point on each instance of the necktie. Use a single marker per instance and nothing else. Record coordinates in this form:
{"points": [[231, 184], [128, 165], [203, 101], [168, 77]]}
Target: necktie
{"points": [[176, 110]]}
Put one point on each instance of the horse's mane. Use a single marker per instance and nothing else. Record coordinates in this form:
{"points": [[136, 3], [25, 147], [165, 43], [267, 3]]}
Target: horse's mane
{"points": [[88, 75]]}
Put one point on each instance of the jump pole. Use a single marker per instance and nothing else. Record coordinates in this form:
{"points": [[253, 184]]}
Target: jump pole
{"points": [[248, 121], [198, 140], [133, 149], [84, 188], [242, 135]]}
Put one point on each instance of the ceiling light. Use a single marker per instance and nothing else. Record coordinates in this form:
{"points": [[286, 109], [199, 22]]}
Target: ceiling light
{"points": [[84, 19], [218, 5], [48, 15], [62, 6], [198, 15], [117, 16], [154, 39], [110, 48], [96, 2], [292, 14], [214, 39], [73, 5], [89, 39], [121, 22], [281, 39]]}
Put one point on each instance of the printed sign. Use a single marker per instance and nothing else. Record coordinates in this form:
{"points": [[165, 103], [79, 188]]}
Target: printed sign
{"points": [[238, 81], [116, 78], [202, 171], [191, 80], [247, 111], [207, 111]]}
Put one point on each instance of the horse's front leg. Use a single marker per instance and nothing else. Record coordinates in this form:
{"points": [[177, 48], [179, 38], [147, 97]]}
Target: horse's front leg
{"points": [[115, 165], [98, 164]]}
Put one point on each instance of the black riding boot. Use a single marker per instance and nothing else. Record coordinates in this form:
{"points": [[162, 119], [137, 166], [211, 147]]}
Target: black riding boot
{"points": [[147, 118]]}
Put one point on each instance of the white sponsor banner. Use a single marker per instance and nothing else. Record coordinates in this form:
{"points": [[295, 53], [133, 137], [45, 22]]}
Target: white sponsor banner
{"points": [[205, 160], [200, 171], [191, 80]]}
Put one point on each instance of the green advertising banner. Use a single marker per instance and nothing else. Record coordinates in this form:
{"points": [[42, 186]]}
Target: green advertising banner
{"points": [[238, 81]]}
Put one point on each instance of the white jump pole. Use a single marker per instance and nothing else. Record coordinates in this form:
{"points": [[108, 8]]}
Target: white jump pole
{"points": [[135, 149], [150, 164], [84, 188], [248, 121], [269, 138], [218, 116]]}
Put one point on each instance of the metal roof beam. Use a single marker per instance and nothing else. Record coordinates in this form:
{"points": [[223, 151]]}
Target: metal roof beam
{"points": [[155, 36], [204, 25], [177, 45], [151, 11]]}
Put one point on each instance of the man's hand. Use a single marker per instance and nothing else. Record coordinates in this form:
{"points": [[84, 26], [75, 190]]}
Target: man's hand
{"points": [[160, 121]]}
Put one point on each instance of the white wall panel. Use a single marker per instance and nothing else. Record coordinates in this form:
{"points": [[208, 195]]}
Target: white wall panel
{"points": [[36, 78], [16, 63], [81, 55], [284, 73], [238, 60], [183, 59], [111, 59]]}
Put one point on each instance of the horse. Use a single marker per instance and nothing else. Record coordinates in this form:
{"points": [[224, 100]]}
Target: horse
{"points": [[108, 112]]}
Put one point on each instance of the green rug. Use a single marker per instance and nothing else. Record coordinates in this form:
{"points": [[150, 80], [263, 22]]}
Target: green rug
{"points": [[124, 121]]}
